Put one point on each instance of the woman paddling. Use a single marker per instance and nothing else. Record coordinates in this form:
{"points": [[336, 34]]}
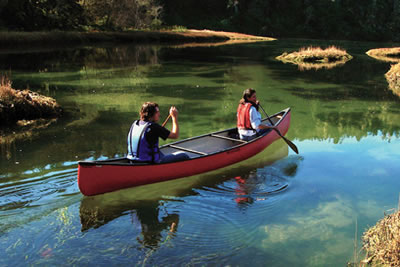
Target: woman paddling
{"points": [[248, 118]]}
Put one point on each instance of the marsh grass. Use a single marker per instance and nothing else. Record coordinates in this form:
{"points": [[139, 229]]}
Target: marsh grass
{"points": [[382, 241], [316, 57], [393, 78], [385, 54], [16, 105]]}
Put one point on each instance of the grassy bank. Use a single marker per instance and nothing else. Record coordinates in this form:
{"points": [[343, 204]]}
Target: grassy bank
{"points": [[21, 39], [316, 57], [385, 54], [18, 105]]}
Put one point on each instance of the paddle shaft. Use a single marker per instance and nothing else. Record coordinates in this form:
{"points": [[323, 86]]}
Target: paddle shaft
{"points": [[166, 120], [290, 144]]}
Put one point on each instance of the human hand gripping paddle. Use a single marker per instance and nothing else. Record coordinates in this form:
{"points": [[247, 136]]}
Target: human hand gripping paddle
{"points": [[290, 144], [166, 120], [169, 116]]}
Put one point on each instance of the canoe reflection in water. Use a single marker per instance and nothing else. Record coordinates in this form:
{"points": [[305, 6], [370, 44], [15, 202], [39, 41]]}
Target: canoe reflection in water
{"points": [[148, 207]]}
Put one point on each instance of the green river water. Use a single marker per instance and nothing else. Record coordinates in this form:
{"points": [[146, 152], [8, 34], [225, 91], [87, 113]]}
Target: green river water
{"points": [[275, 209]]}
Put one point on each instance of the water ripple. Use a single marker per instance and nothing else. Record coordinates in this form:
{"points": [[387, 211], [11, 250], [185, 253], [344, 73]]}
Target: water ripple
{"points": [[35, 192]]}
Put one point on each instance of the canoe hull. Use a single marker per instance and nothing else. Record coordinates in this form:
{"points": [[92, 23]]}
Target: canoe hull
{"points": [[100, 178]]}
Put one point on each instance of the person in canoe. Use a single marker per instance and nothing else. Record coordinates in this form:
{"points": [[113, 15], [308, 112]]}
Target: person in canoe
{"points": [[248, 118], [144, 135]]}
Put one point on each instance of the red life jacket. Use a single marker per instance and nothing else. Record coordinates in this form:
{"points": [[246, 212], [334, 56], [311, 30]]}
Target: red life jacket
{"points": [[243, 116]]}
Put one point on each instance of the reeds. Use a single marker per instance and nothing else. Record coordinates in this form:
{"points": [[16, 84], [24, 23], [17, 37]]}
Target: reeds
{"points": [[316, 57], [385, 54], [18, 105], [6, 92], [382, 241], [393, 78]]}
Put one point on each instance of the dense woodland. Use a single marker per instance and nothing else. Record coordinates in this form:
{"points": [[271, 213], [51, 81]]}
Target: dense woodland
{"points": [[326, 19]]}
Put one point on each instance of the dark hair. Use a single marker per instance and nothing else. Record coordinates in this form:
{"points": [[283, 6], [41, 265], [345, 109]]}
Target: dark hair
{"points": [[148, 110], [246, 95]]}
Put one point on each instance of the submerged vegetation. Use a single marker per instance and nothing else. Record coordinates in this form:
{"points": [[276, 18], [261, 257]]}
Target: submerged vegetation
{"points": [[17, 105], [316, 57], [382, 241], [393, 78], [385, 54]]}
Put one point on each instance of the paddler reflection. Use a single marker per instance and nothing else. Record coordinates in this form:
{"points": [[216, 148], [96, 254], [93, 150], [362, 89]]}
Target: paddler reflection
{"points": [[265, 180], [150, 216]]}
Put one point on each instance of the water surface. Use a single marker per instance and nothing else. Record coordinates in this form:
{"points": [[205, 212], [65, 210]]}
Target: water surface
{"points": [[276, 209]]}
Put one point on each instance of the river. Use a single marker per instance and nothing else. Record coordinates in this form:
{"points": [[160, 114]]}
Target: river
{"points": [[275, 209]]}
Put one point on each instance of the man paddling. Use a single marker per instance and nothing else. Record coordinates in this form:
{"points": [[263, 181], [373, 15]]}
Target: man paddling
{"points": [[143, 137], [248, 118]]}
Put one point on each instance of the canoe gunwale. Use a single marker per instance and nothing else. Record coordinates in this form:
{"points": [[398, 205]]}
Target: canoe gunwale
{"points": [[116, 162]]}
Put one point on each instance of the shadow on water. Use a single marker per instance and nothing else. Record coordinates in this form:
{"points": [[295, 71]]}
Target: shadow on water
{"points": [[243, 183]]}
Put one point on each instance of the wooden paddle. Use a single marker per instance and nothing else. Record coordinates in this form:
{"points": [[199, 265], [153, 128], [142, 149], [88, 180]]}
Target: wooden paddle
{"points": [[166, 120], [290, 144]]}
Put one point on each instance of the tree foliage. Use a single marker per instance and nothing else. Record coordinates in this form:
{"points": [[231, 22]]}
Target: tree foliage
{"points": [[111, 14], [342, 19], [33, 15], [334, 19]]}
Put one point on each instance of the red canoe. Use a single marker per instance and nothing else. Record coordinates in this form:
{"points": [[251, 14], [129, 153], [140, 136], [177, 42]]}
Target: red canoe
{"points": [[207, 152]]}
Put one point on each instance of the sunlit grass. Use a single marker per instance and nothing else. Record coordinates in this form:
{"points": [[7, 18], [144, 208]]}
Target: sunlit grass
{"points": [[382, 241], [393, 78], [18, 105], [175, 34], [316, 57], [6, 92], [385, 54]]}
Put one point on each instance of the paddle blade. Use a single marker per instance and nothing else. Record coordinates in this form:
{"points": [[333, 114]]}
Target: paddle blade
{"points": [[290, 143], [292, 146]]}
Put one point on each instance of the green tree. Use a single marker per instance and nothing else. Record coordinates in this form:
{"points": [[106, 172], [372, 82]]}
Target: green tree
{"points": [[110, 14], [33, 15]]}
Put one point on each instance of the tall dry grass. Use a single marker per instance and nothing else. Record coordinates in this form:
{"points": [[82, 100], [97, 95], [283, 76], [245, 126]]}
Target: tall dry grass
{"points": [[18, 105], [385, 54], [382, 242], [393, 78], [316, 57], [6, 92]]}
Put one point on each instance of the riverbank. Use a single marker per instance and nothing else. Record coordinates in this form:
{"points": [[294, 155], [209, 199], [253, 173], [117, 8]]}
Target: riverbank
{"points": [[23, 39], [24, 105]]}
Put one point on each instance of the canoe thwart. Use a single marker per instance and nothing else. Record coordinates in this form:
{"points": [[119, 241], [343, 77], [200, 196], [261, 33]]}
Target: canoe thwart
{"points": [[188, 150], [228, 138]]}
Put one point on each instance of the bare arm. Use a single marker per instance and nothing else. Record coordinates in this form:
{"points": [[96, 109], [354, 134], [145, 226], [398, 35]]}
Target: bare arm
{"points": [[174, 134]]}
